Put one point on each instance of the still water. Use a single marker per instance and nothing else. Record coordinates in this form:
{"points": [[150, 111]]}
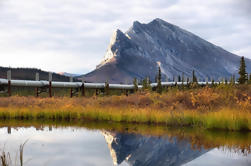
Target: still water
{"points": [[78, 146]]}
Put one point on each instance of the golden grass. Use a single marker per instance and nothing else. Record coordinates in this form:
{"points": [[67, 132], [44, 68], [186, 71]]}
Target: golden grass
{"points": [[223, 107]]}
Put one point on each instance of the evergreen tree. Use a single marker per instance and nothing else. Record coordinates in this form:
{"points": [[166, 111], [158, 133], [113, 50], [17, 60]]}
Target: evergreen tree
{"points": [[159, 86], [146, 84], [106, 88], [222, 80], [194, 77], [135, 83], [148, 81], [242, 72], [212, 81], [249, 81], [183, 78], [226, 81], [234, 79]]}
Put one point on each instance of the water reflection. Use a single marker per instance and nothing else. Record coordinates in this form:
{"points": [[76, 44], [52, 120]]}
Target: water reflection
{"points": [[78, 146], [145, 150]]}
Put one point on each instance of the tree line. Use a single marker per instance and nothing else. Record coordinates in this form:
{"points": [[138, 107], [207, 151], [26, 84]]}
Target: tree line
{"points": [[244, 78]]}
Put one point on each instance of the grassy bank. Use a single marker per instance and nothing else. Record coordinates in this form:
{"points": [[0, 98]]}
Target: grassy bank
{"points": [[224, 107]]}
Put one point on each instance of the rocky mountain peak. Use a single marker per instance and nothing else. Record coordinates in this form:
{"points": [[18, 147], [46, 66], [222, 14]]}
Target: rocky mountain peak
{"points": [[117, 39], [159, 21], [138, 51]]}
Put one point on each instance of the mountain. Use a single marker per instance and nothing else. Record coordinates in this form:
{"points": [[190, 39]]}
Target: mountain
{"points": [[138, 150], [68, 74], [29, 74], [139, 51]]}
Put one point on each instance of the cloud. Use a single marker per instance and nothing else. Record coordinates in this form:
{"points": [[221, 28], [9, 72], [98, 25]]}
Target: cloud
{"points": [[59, 147], [73, 36]]}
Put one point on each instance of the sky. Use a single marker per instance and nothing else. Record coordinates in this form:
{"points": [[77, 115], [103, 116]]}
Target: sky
{"points": [[72, 36]]}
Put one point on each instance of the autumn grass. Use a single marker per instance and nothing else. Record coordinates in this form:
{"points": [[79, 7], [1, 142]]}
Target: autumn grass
{"points": [[224, 107]]}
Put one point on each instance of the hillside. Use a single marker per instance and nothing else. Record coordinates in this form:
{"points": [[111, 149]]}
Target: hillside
{"points": [[29, 74]]}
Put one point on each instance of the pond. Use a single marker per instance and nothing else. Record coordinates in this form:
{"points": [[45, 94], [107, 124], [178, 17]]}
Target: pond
{"points": [[76, 145]]}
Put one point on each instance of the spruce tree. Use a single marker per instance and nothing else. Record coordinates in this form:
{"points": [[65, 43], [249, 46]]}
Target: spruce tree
{"points": [[226, 81], [183, 78], [135, 83], [144, 84], [159, 86], [232, 80], [148, 83], [194, 77], [106, 88], [249, 81], [242, 72]]}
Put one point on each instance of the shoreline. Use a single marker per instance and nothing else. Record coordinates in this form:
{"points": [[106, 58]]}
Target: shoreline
{"points": [[225, 119], [222, 108], [198, 137]]}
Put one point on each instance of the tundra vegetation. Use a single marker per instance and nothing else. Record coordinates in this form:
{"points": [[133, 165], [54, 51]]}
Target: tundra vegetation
{"points": [[218, 107], [225, 106]]}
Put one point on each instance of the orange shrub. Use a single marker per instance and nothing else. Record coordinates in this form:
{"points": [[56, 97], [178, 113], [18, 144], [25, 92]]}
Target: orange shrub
{"points": [[205, 98]]}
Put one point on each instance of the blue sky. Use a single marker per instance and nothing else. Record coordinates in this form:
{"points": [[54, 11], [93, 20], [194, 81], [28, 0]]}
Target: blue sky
{"points": [[73, 35]]}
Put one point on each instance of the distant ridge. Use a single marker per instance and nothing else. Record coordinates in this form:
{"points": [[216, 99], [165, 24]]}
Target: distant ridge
{"points": [[68, 74], [138, 52], [29, 74]]}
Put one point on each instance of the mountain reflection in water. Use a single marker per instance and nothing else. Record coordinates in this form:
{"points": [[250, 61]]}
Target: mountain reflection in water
{"points": [[140, 150], [76, 146]]}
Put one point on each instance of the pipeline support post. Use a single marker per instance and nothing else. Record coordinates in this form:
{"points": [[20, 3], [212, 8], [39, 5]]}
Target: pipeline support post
{"points": [[9, 82], [71, 80], [45, 88], [37, 79], [83, 87], [9, 130], [50, 79], [106, 88], [72, 91], [37, 94]]}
